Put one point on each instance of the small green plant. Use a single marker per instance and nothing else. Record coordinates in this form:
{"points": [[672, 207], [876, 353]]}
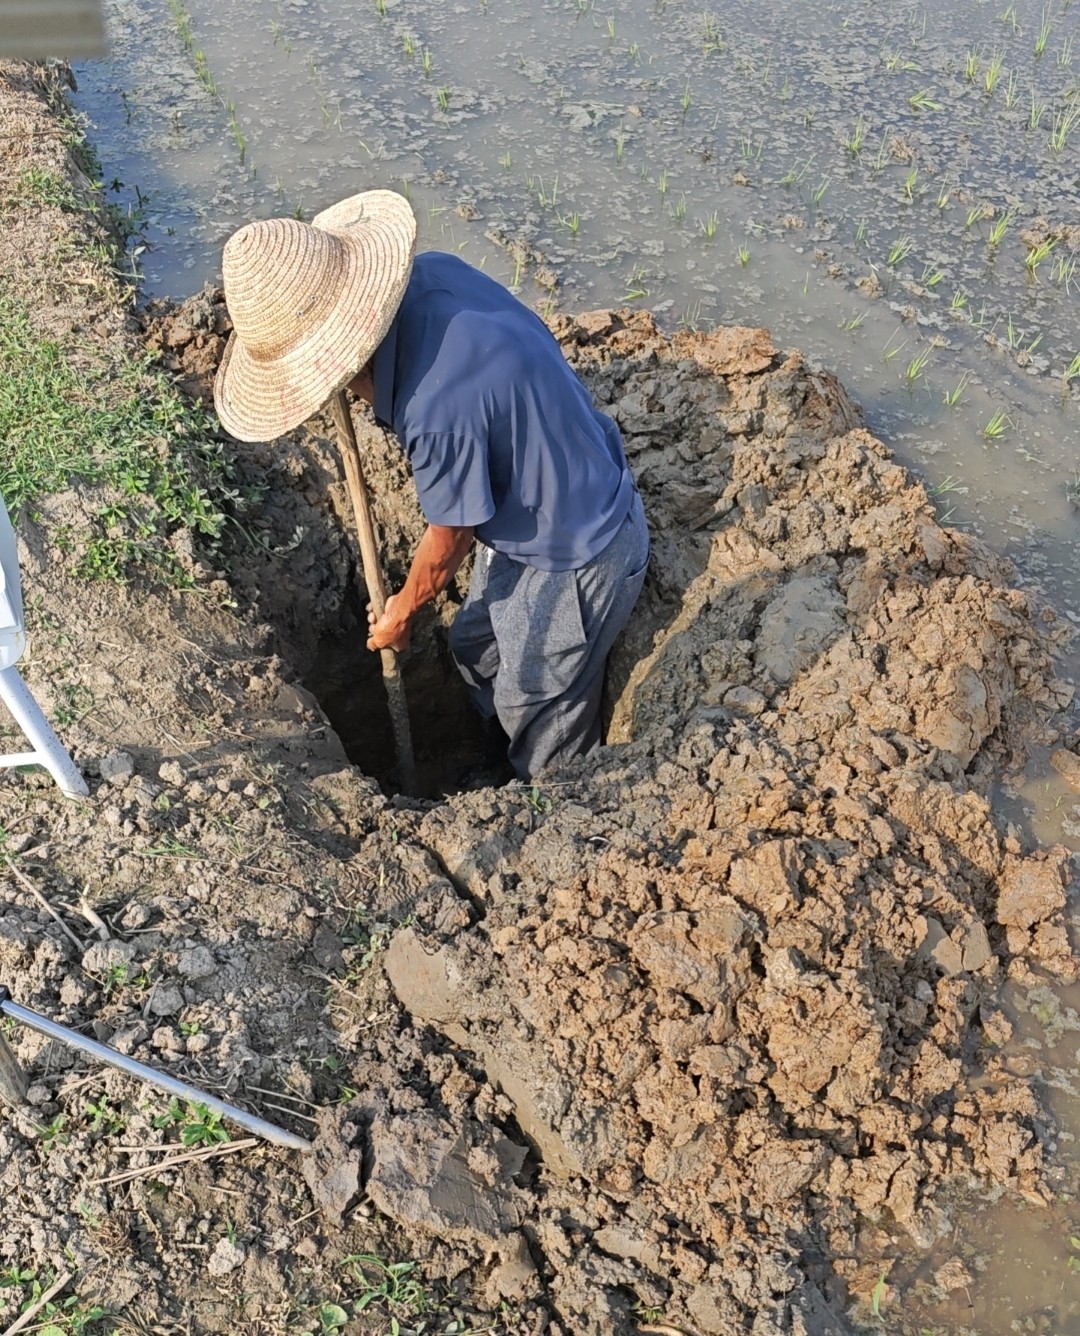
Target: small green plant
{"points": [[52, 1134], [877, 1296], [408, 44], [115, 978], [1037, 253], [104, 1118], [997, 425], [992, 73], [620, 146], [854, 322], [952, 397], [856, 139], [538, 801], [1064, 123], [971, 66], [425, 60], [819, 191], [901, 249], [910, 183], [686, 101], [635, 288], [678, 210], [744, 255], [444, 98], [916, 366], [1036, 112], [709, 224], [1072, 370], [922, 101], [391, 1285], [202, 1127], [712, 42], [1000, 227]]}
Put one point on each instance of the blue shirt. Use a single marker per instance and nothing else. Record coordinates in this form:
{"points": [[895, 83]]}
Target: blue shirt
{"points": [[501, 435]]}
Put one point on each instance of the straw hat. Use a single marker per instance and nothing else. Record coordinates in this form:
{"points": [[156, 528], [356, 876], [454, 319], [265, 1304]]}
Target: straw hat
{"points": [[310, 303]]}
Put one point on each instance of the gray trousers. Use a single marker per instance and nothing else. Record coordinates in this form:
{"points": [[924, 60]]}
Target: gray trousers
{"points": [[532, 644]]}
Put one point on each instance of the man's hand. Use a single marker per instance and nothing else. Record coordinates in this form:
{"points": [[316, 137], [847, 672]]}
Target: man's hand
{"points": [[391, 630]]}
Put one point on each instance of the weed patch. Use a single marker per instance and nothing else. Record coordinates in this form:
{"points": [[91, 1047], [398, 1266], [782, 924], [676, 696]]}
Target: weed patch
{"points": [[144, 458]]}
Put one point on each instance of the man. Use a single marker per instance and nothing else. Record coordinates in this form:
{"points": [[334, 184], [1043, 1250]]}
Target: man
{"points": [[506, 449]]}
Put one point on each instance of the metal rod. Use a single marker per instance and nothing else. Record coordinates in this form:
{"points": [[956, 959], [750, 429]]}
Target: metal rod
{"points": [[376, 587], [169, 1084]]}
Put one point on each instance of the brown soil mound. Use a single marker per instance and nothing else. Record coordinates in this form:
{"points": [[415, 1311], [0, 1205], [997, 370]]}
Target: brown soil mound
{"points": [[671, 1034]]}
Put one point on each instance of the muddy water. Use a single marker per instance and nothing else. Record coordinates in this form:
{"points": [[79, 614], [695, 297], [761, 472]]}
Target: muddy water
{"points": [[874, 183]]}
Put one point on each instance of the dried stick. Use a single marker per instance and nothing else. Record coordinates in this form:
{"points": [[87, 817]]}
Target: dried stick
{"points": [[203, 1153], [24, 1319], [28, 885]]}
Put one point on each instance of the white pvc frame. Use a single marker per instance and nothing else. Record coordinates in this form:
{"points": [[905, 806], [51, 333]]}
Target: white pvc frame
{"points": [[48, 751]]}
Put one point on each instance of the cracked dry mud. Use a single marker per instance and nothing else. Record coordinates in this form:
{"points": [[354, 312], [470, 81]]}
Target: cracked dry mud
{"points": [[688, 1029]]}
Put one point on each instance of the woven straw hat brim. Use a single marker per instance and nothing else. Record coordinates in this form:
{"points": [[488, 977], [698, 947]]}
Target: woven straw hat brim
{"points": [[270, 380]]}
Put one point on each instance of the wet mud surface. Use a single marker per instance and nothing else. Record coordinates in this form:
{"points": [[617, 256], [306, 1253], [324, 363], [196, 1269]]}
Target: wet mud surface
{"points": [[681, 1038]]}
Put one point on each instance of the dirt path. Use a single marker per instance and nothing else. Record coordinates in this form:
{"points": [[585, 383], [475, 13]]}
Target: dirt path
{"points": [[683, 1039]]}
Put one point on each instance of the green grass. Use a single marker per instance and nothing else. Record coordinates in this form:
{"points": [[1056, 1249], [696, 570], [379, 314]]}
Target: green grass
{"points": [[144, 460]]}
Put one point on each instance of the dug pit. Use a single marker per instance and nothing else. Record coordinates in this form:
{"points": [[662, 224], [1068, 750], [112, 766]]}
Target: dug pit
{"points": [[734, 982]]}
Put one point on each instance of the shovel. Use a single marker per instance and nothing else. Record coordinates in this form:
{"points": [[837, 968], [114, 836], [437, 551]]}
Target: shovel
{"points": [[376, 587]]}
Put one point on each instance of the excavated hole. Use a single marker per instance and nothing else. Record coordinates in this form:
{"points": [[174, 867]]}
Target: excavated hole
{"points": [[454, 748]]}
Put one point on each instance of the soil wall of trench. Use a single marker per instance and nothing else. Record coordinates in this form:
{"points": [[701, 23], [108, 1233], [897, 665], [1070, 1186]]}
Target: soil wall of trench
{"points": [[699, 1027]]}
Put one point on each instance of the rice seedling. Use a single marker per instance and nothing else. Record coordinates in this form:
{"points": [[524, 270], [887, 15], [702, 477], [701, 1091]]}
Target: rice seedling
{"points": [[635, 288], [687, 101], [1036, 254], [922, 101], [952, 397], [408, 43], [661, 184], [944, 195], [881, 158], [744, 255], [896, 60], [678, 212], [380, 5], [917, 365], [931, 275], [853, 324], [860, 232], [506, 161], [750, 149], [909, 184], [572, 223], [634, 52], [1012, 334], [1065, 55], [1044, 31], [712, 42], [854, 141], [820, 189], [611, 28], [997, 232], [992, 73], [1072, 370], [901, 249], [515, 282], [889, 352], [1010, 18], [1064, 122], [1035, 114], [444, 99], [959, 300], [971, 66], [1011, 90], [710, 224], [1065, 271], [425, 60], [997, 426], [620, 146]]}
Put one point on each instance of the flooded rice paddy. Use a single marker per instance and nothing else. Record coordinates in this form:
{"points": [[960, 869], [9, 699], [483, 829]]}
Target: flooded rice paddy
{"points": [[894, 188]]}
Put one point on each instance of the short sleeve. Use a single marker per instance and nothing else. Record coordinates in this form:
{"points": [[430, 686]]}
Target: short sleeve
{"points": [[452, 481]]}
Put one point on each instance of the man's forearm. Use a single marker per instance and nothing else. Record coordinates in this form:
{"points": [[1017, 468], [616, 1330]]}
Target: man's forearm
{"points": [[438, 556]]}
